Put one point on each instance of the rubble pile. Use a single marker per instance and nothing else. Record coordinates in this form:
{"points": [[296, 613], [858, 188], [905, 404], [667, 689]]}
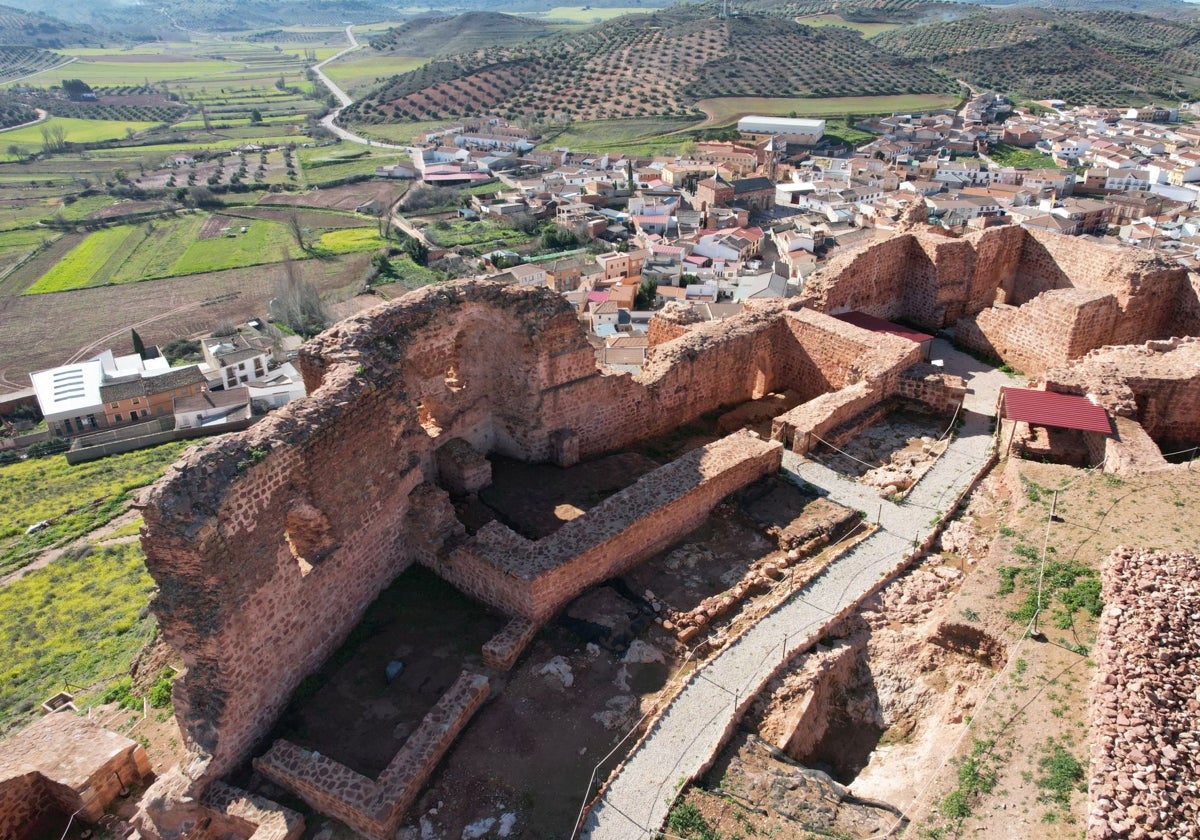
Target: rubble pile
{"points": [[1146, 699]]}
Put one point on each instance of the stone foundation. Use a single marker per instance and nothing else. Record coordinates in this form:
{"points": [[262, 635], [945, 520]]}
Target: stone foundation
{"points": [[376, 807], [502, 650]]}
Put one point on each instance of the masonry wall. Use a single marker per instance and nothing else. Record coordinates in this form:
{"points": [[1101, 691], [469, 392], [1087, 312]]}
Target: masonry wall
{"points": [[26, 806], [535, 579]]}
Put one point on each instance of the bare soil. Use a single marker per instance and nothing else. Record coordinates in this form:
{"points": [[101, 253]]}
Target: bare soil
{"points": [[944, 685], [345, 197]]}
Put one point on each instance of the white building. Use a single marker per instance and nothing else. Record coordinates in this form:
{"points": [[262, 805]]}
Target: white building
{"points": [[803, 131]]}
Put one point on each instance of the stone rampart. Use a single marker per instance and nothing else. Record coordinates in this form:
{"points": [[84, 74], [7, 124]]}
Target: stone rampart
{"points": [[534, 579]]}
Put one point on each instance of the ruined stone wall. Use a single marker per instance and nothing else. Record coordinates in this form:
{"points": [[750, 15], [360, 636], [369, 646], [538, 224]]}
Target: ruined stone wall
{"points": [[534, 579], [25, 802], [1156, 383], [1143, 700], [1052, 328]]}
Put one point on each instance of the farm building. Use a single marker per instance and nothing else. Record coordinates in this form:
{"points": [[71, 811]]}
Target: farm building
{"points": [[797, 130]]}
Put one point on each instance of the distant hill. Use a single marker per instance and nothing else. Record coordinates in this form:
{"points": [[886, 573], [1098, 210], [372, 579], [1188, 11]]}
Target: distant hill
{"points": [[449, 35], [19, 28], [1100, 57], [653, 64]]}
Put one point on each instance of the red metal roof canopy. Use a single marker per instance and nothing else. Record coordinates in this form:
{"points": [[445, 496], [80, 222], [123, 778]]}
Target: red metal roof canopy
{"points": [[1065, 411], [870, 322]]}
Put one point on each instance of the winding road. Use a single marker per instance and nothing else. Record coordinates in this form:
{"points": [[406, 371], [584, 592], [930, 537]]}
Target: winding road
{"points": [[344, 98]]}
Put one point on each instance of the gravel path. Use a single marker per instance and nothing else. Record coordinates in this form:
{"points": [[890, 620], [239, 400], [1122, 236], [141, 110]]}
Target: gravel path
{"points": [[694, 725]]}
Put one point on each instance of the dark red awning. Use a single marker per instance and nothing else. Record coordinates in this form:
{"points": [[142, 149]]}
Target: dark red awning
{"points": [[1064, 411], [870, 322]]}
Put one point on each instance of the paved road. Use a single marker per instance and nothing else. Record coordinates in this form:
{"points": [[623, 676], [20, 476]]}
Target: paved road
{"points": [[344, 98], [41, 117], [693, 727]]}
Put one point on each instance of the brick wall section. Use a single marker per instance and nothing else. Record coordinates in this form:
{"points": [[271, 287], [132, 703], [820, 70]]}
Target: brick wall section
{"points": [[25, 802], [264, 819], [534, 580], [1083, 295], [64, 762], [927, 384], [376, 807], [502, 650]]}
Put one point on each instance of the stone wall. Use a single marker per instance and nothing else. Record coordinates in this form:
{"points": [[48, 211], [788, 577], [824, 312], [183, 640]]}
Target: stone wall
{"points": [[534, 579], [1156, 383], [376, 807], [1034, 300], [1143, 702]]}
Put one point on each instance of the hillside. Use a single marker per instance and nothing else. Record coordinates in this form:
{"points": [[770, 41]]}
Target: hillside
{"points": [[448, 35], [19, 28], [655, 64], [1099, 57]]}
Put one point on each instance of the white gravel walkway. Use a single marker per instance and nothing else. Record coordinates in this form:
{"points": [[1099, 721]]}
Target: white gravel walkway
{"points": [[694, 725]]}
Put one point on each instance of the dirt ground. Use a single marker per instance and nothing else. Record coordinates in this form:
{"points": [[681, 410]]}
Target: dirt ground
{"points": [[891, 453], [345, 197], [941, 671]]}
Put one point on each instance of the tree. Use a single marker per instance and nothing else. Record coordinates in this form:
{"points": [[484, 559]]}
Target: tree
{"points": [[139, 346], [646, 294], [256, 116], [298, 303], [75, 87]]}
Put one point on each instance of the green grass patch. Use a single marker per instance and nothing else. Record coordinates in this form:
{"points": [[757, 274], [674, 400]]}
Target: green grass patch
{"points": [[460, 232], [263, 242], [729, 109], [641, 137], [80, 621], [79, 267], [16, 243], [362, 69], [1060, 774], [76, 131], [1006, 155], [73, 499], [114, 69], [350, 240]]}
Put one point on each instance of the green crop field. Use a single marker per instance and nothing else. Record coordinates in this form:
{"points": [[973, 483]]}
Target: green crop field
{"points": [[450, 234], [76, 269], [165, 248], [361, 69], [74, 499], [726, 110], [13, 243], [77, 131], [867, 29], [137, 69], [350, 240], [80, 620], [640, 136]]}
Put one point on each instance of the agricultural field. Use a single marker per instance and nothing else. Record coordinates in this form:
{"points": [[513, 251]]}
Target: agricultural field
{"points": [[168, 248], [20, 62], [483, 234], [641, 137], [73, 500], [649, 65], [1104, 57], [79, 621], [867, 29], [361, 70], [74, 131], [587, 14], [728, 110]]}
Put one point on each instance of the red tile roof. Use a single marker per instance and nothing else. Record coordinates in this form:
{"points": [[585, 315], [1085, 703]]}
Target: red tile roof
{"points": [[1064, 411], [870, 322]]}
